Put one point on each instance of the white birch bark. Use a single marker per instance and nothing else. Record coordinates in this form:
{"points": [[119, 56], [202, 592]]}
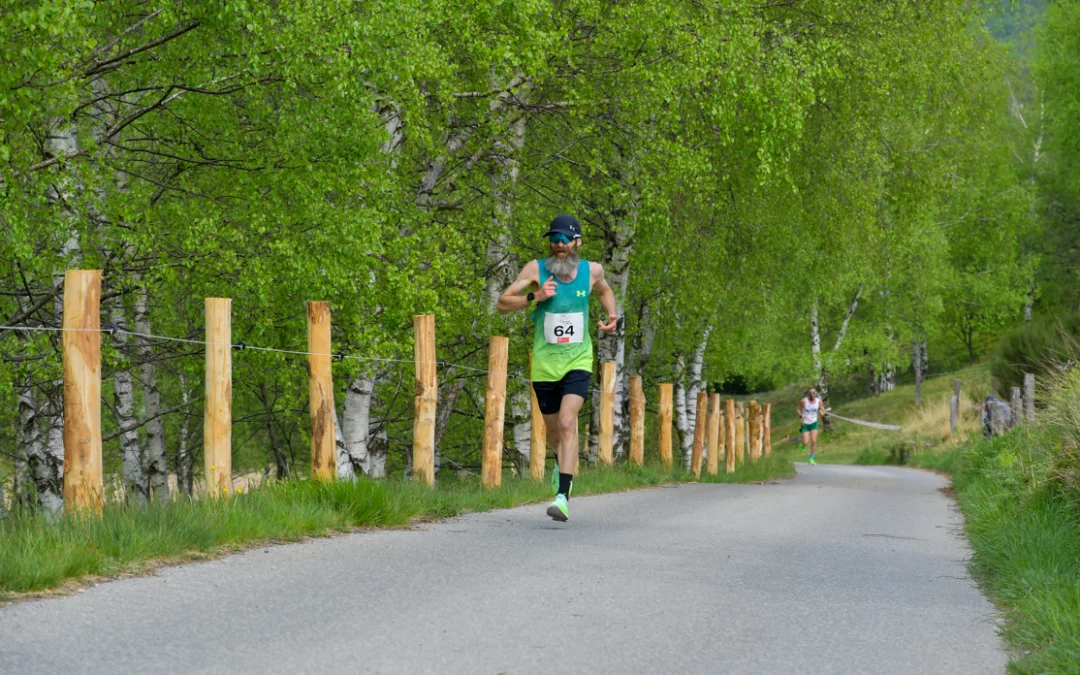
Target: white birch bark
{"points": [[694, 385], [124, 401], [916, 359], [375, 465], [30, 441], [357, 422], [353, 438], [815, 338], [681, 426], [157, 464], [501, 262], [46, 464], [185, 463]]}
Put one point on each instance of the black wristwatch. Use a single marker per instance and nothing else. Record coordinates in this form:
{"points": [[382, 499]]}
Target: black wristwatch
{"points": [[531, 296]]}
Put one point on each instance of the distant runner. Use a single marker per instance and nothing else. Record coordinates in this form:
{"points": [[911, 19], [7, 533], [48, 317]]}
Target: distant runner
{"points": [[560, 287], [808, 410]]}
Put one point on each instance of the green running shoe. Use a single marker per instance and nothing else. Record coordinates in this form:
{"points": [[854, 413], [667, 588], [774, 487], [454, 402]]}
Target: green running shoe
{"points": [[559, 509], [812, 460]]}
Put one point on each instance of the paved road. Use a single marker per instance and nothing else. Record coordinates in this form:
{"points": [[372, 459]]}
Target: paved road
{"points": [[840, 570]]}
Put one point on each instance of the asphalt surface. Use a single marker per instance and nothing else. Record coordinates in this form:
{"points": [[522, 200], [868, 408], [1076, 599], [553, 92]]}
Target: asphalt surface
{"points": [[840, 570]]}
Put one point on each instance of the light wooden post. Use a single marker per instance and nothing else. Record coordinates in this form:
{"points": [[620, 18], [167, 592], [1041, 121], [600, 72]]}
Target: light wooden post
{"points": [[700, 419], [82, 390], [729, 435], [425, 399], [740, 433], [321, 391], [537, 434], [637, 421], [217, 414], [1029, 397], [714, 434], [663, 422], [1016, 406], [754, 425], [606, 437], [494, 412], [767, 430]]}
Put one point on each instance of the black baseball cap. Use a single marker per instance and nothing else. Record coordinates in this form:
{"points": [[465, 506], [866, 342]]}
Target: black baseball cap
{"points": [[564, 224]]}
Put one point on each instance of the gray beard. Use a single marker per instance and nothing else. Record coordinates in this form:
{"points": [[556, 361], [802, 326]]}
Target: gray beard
{"points": [[562, 267]]}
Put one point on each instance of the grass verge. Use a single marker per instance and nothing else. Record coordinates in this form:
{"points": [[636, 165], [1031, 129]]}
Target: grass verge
{"points": [[1025, 532], [38, 553]]}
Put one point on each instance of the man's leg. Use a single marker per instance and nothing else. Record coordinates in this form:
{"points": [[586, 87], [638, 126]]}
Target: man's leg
{"points": [[813, 443], [567, 420]]}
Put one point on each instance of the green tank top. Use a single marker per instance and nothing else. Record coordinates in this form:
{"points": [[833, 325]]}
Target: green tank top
{"points": [[562, 342]]}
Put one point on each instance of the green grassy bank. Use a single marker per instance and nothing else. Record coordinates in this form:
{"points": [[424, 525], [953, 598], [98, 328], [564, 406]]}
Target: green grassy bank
{"points": [[1025, 532], [37, 553], [1020, 495]]}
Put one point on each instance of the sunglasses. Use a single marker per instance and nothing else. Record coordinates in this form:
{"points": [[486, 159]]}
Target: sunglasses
{"points": [[559, 239]]}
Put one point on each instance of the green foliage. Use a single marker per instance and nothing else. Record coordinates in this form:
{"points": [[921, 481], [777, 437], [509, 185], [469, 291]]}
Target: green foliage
{"points": [[734, 165], [1040, 347]]}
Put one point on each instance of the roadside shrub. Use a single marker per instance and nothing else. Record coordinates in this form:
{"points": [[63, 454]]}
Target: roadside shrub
{"points": [[1038, 347]]}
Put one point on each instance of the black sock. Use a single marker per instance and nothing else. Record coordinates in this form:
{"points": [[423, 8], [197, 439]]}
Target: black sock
{"points": [[564, 483]]}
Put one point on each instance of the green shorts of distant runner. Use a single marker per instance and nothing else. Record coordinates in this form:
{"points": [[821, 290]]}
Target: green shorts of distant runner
{"points": [[813, 426]]}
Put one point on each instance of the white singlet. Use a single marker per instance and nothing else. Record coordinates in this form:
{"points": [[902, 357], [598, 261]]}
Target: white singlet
{"points": [[810, 410]]}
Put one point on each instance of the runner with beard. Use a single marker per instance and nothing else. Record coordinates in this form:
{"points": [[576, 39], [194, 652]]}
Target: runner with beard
{"points": [[558, 289]]}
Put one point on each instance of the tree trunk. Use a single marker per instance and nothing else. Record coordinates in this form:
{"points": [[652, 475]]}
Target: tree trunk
{"points": [[29, 440], [521, 414], [281, 462], [448, 396], [124, 399], [45, 461], [185, 461], [916, 357], [356, 416], [157, 466], [689, 404]]}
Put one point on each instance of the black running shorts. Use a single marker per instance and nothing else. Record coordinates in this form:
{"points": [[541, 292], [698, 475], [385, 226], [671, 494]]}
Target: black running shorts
{"points": [[550, 394]]}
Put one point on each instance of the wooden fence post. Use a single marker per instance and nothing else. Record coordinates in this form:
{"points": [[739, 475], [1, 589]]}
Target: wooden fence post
{"points": [[425, 399], [767, 430], [321, 391], [537, 434], [729, 435], [217, 414], [81, 342], [700, 419], [1016, 406], [740, 433], [753, 423], [606, 437], [663, 420], [714, 434], [495, 412], [954, 414], [637, 421], [1029, 397]]}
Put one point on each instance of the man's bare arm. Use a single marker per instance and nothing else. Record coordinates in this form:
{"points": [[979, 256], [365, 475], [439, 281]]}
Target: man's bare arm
{"points": [[512, 299], [607, 299]]}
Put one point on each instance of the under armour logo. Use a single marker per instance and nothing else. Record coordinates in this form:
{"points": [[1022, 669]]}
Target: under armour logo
{"points": [[581, 294]]}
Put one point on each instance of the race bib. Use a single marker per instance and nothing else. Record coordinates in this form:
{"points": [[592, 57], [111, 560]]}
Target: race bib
{"points": [[564, 329]]}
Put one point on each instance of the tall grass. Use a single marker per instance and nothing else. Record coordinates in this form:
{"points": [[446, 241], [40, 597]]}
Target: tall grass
{"points": [[38, 553], [1020, 499]]}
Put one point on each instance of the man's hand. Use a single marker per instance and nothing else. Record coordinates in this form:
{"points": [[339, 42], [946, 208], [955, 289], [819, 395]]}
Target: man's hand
{"points": [[547, 290], [611, 325]]}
